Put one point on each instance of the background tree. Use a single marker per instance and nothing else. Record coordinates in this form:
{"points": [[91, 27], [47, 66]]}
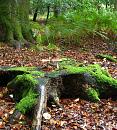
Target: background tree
{"points": [[14, 21], [56, 7], [36, 10]]}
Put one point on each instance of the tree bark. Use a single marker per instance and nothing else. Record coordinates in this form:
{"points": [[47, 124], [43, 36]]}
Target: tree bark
{"points": [[14, 21], [36, 11], [35, 14], [115, 5], [56, 11], [48, 13], [106, 4], [41, 105]]}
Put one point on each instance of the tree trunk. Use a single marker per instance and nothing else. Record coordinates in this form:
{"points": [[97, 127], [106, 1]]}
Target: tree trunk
{"points": [[35, 14], [36, 11], [48, 13], [56, 11], [115, 5], [106, 4], [14, 21]]}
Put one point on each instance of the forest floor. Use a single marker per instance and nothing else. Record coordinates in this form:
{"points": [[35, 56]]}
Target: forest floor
{"points": [[76, 114]]}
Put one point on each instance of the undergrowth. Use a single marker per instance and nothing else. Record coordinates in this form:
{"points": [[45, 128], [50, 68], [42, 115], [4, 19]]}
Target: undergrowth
{"points": [[70, 27]]}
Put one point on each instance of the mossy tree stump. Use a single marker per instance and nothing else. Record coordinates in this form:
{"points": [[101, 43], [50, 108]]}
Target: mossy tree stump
{"points": [[33, 87]]}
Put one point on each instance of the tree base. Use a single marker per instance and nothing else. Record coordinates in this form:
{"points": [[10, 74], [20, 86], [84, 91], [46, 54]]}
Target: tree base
{"points": [[14, 22]]}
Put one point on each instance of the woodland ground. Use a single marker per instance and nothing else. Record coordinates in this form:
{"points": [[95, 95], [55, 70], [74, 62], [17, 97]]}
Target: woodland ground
{"points": [[76, 114]]}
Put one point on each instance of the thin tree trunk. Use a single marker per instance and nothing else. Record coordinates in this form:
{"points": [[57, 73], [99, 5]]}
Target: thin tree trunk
{"points": [[48, 13], [56, 11], [36, 11], [106, 5], [115, 5], [35, 14]]}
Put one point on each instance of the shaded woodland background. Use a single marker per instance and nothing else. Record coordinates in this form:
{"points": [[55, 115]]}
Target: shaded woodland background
{"points": [[42, 33]]}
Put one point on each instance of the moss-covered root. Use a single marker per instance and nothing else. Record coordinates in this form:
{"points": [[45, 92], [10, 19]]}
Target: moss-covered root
{"points": [[92, 94], [108, 57], [27, 102], [102, 76], [24, 91], [105, 84]]}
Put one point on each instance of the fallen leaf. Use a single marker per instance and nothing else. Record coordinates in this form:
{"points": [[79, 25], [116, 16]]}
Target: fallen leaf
{"points": [[46, 116]]}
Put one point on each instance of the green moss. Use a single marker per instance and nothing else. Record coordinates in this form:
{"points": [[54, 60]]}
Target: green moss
{"points": [[24, 91], [35, 25], [18, 33], [38, 73], [92, 94], [14, 21], [22, 84], [27, 102], [30, 70], [73, 69], [25, 69], [108, 81], [26, 80], [25, 84], [108, 57], [101, 76], [105, 72], [52, 46], [67, 61]]}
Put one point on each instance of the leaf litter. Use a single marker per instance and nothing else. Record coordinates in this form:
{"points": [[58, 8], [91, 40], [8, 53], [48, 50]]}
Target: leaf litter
{"points": [[75, 114], [78, 114]]}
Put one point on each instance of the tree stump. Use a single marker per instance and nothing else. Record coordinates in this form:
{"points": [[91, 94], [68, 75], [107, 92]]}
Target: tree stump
{"points": [[32, 87]]}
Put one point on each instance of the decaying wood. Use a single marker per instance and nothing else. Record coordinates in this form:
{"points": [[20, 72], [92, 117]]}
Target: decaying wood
{"points": [[41, 105], [71, 85]]}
